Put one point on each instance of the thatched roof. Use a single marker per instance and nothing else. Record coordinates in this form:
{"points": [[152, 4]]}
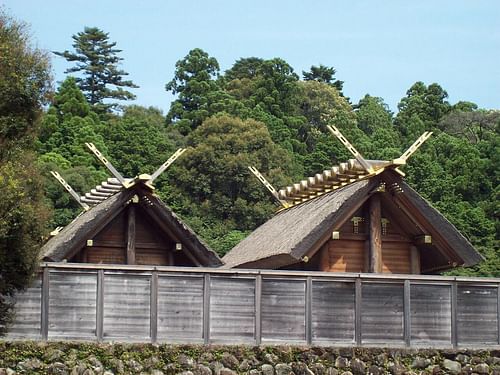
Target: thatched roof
{"points": [[74, 236], [298, 231], [289, 235], [461, 245]]}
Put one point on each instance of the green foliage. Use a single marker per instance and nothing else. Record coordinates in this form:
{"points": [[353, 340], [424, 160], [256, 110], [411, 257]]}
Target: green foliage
{"points": [[213, 187], [421, 109], [323, 74], [139, 132], [24, 86], [22, 218], [194, 81], [67, 125], [97, 60]]}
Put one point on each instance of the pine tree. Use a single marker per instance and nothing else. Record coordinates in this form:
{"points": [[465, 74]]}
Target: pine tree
{"points": [[97, 60]]}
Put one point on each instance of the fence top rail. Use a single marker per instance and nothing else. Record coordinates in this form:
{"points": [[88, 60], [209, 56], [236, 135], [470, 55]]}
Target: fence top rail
{"points": [[265, 273]]}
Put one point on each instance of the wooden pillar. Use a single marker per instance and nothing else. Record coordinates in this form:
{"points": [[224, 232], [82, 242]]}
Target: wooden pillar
{"points": [[131, 234], [366, 257], [414, 260], [375, 235]]}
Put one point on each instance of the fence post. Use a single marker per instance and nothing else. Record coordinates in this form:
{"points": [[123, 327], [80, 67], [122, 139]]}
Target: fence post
{"points": [[44, 317], [258, 309], [407, 315], [309, 310], [153, 309], [357, 311], [454, 328], [100, 305], [206, 309], [498, 312]]}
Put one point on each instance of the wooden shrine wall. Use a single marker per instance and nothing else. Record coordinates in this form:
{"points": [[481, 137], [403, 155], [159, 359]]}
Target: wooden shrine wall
{"points": [[152, 246], [351, 253]]}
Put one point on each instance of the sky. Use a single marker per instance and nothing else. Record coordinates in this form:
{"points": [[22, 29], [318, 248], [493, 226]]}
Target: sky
{"points": [[377, 47]]}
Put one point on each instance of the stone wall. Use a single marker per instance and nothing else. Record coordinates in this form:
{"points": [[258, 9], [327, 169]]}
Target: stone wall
{"points": [[109, 359]]}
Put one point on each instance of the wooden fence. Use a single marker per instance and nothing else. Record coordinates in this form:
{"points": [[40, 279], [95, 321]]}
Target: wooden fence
{"points": [[201, 305]]}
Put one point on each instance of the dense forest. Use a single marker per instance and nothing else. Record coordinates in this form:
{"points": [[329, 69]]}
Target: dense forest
{"points": [[259, 112]]}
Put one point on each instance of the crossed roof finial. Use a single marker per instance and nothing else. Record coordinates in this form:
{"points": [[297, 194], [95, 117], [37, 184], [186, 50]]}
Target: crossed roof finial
{"points": [[337, 176], [113, 185]]}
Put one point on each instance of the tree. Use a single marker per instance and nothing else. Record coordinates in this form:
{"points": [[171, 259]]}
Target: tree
{"points": [[97, 59], [323, 74], [24, 86], [375, 119], [140, 132], [194, 81], [211, 185], [67, 125], [474, 125], [421, 109], [322, 105], [373, 113]]}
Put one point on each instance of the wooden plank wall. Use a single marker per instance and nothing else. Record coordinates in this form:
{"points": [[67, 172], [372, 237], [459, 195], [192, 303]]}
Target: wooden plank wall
{"points": [[232, 309], [431, 313], [253, 307], [382, 313], [333, 313], [27, 312], [476, 310], [344, 256], [72, 305], [180, 308], [283, 310], [126, 307]]}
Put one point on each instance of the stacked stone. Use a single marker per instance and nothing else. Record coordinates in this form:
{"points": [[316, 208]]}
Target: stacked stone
{"points": [[111, 359]]}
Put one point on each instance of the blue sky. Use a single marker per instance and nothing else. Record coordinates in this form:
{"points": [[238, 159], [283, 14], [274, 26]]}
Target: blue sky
{"points": [[378, 47]]}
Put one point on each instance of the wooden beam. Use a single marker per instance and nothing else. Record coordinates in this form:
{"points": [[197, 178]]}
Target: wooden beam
{"points": [[131, 234], [375, 234], [415, 260]]}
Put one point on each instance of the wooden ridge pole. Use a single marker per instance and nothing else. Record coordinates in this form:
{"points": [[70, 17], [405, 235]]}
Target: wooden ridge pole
{"points": [[131, 234], [375, 235]]}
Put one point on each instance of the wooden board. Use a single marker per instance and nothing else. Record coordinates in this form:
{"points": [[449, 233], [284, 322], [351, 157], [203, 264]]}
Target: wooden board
{"points": [[115, 231], [72, 305], [155, 256], [232, 309], [106, 255], [477, 314], [396, 257], [126, 307], [27, 313], [345, 256], [382, 313], [180, 308], [332, 311], [430, 313], [283, 310]]}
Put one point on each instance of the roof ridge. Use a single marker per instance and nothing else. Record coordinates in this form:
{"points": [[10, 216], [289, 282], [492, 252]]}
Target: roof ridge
{"points": [[331, 179]]}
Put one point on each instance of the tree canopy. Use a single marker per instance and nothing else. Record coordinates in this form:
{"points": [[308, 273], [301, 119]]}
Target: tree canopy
{"points": [[24, 86], [97, 61]]}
